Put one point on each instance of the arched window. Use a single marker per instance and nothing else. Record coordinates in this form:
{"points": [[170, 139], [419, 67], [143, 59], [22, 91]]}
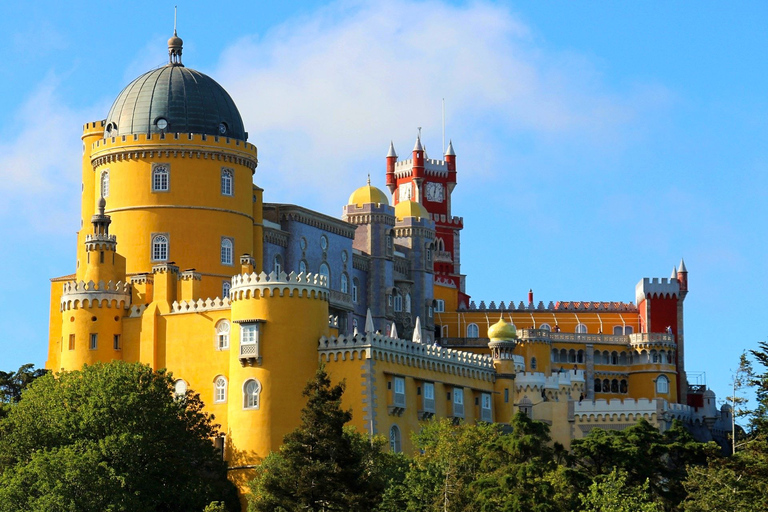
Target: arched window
{"points": [[344, 283], [662, 385], [105, 183], [555, 355], [623, 386], [606, 385], [159, 248], [580, 356], [614, 386], [227, 179], [606, 357], [654, 356], [628, 329], [572, 356], [277, 264], [394, 439], [533, 363], [663, 357], [545, 327], [398, 306], [355, 286], [180, 387], [226, 251], [302, 267], [598, 386], [160, 178], [618, 330], [222, 335], [623, 358], [440, 245], [563, 355], [407, 301], [614, 357], [473, 331], [251, 392], [325, 271], [225, 287], [219, 390], [581, 329]]}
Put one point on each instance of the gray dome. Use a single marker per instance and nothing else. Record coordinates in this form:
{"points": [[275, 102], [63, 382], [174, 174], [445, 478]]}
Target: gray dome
{"points": [[174, 99]]}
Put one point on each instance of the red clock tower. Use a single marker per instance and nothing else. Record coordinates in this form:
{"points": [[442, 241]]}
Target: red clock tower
{"points": [[430, 182]]}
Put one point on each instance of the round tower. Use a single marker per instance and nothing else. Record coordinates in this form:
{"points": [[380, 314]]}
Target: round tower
{"points": [[277, 321], [503, 340]]}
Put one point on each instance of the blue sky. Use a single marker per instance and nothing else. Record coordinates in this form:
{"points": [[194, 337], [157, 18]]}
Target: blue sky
{"points": [[598, 143]]}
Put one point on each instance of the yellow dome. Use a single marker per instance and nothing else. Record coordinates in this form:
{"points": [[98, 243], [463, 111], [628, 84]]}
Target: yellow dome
{"points": [[368, 194], [502, 330], [409, 208]]}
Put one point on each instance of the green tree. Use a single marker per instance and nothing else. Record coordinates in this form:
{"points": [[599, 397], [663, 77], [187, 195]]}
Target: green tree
{"points": [[321, 466], [13, 383], [611, 493], [110, 437]]}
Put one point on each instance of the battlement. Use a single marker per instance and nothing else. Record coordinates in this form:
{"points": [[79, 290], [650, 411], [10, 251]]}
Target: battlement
{"points": [[450, 221], [652, 338], [657, 287], [406, 352], [559, 306], [200, 305], [77, 295], [432, 166], [245, 286], [537, 381]]}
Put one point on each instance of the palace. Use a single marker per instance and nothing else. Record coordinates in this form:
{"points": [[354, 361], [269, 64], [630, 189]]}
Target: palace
{"points": [[181, 265]]}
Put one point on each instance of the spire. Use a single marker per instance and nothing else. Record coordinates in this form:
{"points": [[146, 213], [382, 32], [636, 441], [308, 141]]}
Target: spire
{"points": [[369, 328], [391, 150], [449, 151], [369, 179], [681, 267], [101, 221], [418, 146], [417, 331], [674, 273], [393, 331], [174, 45]]}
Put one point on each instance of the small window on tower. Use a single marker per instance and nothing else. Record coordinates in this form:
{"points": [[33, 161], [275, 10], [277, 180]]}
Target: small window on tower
{"points": [[160, 178], [227, 249], [105, 183], [227, 181]]}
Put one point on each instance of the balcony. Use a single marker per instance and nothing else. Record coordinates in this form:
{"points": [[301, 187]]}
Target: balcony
{"points": [[249, 354], [340, 300]]}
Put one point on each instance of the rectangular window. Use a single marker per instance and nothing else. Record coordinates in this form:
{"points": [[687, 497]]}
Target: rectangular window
{"points": [[94, 343], [486, 414], [116, 341], [458, 402], [71, 342], [160, 179], [439, 306], [399, 392], [227, 177], [429, 397], [506, 395], [249, 341]]}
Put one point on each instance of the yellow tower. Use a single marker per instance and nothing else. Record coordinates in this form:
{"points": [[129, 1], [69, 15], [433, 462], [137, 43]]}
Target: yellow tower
{"points": [[503, 340]]}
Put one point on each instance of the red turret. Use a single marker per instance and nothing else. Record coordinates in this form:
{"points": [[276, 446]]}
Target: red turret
{"points": [[391, 159], [450, 161], [682, 277], [418, 159]]}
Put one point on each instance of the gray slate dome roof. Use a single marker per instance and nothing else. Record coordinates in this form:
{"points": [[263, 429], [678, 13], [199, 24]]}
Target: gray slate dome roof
{"points": [[174, 99]]}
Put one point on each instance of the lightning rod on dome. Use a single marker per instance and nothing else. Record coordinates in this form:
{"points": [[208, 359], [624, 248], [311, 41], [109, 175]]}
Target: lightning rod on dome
{"points": [[175, 10], [443, 126]]}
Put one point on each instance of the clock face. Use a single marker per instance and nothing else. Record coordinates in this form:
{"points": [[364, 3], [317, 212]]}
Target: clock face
{"points": [[434, 192], [405, 192]]}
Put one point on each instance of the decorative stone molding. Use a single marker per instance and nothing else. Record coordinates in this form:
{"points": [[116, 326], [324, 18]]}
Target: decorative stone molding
{"points": [[361, 262], [430, 357], [245, 286], [290, 212], [200, 305], [276, 237], [77, 295], [559, 306], [100, 242]]}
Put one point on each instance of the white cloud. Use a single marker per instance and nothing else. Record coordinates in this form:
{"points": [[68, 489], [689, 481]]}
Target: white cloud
{"points": [[323, 95]]}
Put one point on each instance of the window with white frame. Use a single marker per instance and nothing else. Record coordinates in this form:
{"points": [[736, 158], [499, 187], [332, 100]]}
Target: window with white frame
{"points": [[116, 342], [226, 286], [458, 402], [94, 342], [399, 391], [394, 439], [227, 180], [160, 178], [222, 335], [344, 283], [429, 397], [159, 248], [662, 385], [302, 267], [355, 286], [325, 271], [486, 412], [251, 393], [180, 387], [227, 249], [219, 390], [581, 329], [407, 301], [398, 302], [277, 264], [473, 331], [105, 183], [545, 327], [439, 306]]}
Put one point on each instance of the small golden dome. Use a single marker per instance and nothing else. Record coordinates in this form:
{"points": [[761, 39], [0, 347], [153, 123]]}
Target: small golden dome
{"points": [[368, 194], [502, 330], [410, 209]]}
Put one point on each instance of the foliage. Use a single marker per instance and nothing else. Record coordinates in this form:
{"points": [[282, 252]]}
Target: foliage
{"points": [[109, 437], [322, 465], [611, 493], [216, 506], [13, 383], [643, 454]]}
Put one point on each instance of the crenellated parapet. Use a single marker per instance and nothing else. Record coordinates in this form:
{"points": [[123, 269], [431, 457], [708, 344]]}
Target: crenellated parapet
{"points": [[245, 286], [200, 305], [78, 295], [100, 242], [657, 288], [558, 382], [652, 340], [408, 353], [552, 306]]}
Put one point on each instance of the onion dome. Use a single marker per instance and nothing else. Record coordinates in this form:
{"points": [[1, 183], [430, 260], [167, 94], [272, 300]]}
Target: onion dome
{"points": [[174, 99], [368, 194], [409, 208], [502, 331]]}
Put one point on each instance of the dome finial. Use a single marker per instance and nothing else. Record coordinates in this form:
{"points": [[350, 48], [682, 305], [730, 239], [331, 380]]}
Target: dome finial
{"points": [[174, 44], [369, 179]]}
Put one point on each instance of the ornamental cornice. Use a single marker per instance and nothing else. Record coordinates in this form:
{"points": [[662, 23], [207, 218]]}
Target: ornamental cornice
{"points": [[360, 262], [412, 231], [120, 153], [77, 295], [370, 218], [246, 286], [276, 237]]}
